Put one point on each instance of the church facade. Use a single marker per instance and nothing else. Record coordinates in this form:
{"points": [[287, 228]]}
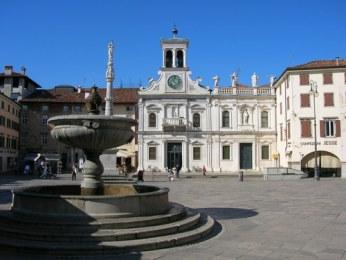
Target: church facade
{"points": [[184, 124]]}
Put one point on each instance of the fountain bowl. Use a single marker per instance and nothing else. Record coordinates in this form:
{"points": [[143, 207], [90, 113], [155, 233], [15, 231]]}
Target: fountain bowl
{"points": [[92, 132]]}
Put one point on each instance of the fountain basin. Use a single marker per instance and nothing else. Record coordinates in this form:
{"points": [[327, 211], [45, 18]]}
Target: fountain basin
{"points": [[92, 132], [116, 200]]}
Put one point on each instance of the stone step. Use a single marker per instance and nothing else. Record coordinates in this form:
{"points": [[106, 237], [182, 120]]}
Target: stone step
{"points": [[92, 234], [107, 247], [176, 212]]}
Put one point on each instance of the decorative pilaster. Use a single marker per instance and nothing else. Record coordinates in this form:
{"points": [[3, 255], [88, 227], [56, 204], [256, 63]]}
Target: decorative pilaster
{"points": [[109, 78]]}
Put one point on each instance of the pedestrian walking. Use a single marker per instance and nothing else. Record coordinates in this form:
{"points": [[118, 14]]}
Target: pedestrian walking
{"points": [[204, 170], [74, 171]]}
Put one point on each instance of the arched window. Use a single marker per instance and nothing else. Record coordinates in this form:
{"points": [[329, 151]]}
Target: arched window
{"points": [[264, 119], [196, 120], [169, 59], [152, 120], [225, 119], [180, 59]]}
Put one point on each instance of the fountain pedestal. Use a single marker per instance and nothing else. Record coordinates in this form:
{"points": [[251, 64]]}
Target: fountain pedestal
{"points": [[92, 171]]}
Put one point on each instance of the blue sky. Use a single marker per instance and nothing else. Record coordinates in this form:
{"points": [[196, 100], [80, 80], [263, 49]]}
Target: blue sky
{"points": [[65, 41]]}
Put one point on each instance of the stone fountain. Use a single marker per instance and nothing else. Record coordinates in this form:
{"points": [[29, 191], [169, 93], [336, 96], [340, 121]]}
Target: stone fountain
{"points": [[95, 218]]}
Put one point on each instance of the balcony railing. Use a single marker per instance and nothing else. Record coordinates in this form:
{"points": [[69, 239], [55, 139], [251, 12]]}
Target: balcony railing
{"points": [[267, 91], [174, 124]]}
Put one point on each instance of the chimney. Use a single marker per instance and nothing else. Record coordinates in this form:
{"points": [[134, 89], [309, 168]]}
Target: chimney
{"points": [[79, 89], [254, 79], [8, 70], [337, 60], [23, 70]]}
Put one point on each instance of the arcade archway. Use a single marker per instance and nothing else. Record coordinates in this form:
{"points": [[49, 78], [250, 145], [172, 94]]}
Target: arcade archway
{"points": [[328, 164]]}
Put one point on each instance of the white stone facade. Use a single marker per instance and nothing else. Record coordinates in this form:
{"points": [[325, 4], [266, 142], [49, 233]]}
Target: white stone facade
{"points": [[295, 103], [184, 124]]}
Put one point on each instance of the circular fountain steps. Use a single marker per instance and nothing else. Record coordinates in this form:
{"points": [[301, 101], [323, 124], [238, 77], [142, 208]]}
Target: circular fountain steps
{"points": [[103, 236]]}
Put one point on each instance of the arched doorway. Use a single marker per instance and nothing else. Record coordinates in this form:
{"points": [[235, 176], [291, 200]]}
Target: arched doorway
{"points": [[328, 164]]}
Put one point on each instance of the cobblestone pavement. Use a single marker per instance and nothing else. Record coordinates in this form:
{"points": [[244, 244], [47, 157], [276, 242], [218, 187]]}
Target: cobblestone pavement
{"points": [[260, 219]]}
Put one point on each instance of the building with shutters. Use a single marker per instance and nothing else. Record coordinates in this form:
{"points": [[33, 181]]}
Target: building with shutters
{"points": [[295, 117], [9, 134], [187, 125]]}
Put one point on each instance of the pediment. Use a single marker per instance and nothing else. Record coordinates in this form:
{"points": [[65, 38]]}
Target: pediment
{"points": [[197, 143], [153, 107], [152, 143]]}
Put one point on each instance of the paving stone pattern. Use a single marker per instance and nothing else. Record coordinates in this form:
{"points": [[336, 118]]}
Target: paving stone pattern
{"points": [[300, 219]]}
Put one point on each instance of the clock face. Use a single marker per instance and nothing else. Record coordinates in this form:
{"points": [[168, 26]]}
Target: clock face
{"points": [[175, 82]]}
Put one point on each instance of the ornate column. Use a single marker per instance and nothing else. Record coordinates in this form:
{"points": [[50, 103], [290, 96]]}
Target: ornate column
{"points": [[109, 78]]}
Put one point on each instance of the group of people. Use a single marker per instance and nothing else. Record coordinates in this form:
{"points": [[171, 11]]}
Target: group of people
{"points": [[44, 168], [173, 173]]}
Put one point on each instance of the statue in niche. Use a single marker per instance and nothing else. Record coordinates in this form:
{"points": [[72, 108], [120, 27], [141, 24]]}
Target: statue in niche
{"points": [[245, 117]]}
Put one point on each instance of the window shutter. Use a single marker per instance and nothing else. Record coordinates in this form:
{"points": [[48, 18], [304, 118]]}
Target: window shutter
{"points": [[322, 128], [304, 100], [338, 128], [304, 79], [328, 99], [327, 78], [306, 128]]}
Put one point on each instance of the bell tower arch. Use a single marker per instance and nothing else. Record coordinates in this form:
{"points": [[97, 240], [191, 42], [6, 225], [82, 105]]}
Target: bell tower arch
{"points": [[174, 51]]}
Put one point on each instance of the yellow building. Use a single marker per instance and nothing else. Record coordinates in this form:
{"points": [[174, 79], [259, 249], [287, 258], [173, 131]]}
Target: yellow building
{"points": [[9, 134]]}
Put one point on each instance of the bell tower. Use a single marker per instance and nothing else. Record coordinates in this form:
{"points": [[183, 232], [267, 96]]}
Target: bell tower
{"points": [[174, 52]]}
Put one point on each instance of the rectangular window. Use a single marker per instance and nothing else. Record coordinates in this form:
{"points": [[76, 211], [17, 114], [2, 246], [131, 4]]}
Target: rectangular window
{"points": [[328, 99], [265, 152], [44, 108], [304, 79], [327, 78], [8, 123], [66, 109], [280, 108], [329, 127], [8, 108], [44, 138], [288, 129], [15, 82], [305, 127], [264, 119], [226, 152], [25, 119], [2, 104], [304, 100], [8, 142], [196, 153], [152, 153], [14, 143], [44, 120], [77, 109], [288, 103], [2, 141]]}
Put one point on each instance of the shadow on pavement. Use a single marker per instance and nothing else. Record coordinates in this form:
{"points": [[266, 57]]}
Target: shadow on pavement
{"points": [[228, 213]]}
